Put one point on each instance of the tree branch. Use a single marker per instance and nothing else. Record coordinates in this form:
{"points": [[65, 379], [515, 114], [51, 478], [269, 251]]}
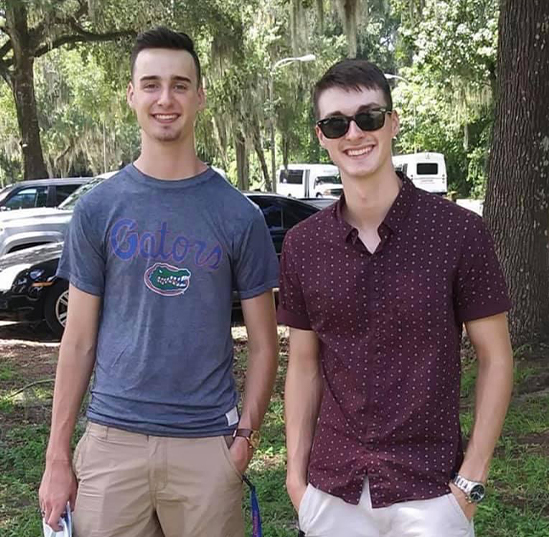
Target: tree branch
{"points": [[6, 47], [4, 72], [38, 34], [82, 38]]}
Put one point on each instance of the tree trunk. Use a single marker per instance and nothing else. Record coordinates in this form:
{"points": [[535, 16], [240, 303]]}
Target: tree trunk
{"points": [[22, 85], [517, 200], [27, 117], [242, 168], [261, 156]]}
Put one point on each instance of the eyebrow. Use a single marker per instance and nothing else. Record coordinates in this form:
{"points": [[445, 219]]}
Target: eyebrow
{"points": [[156, 77], [362, 108]]}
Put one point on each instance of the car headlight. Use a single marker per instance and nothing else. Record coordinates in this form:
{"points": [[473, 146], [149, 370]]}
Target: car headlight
{"points": [[8, 275]]}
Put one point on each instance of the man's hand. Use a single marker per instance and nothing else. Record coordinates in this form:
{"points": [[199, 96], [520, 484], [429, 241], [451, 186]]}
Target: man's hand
{"points": [[468, 508], [296, 490], [241, 453], [57, 488]]}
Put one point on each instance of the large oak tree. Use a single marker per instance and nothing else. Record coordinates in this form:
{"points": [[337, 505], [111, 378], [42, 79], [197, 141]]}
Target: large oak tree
{"points": [[29, 29], [517, 201]]}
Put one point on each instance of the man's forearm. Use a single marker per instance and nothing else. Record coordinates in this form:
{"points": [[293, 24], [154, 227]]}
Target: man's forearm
{"points": [[493, 393], [260, 378], [303, 395], [74, 370]]}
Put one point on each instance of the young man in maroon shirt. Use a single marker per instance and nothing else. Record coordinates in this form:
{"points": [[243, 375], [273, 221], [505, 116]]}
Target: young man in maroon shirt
{"points": [[375, 290]]}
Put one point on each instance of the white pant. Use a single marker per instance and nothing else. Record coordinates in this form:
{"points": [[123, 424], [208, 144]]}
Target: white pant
{"points": [[323, 515]]}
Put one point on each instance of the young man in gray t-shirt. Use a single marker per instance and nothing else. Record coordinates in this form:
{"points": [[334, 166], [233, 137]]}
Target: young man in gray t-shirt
{"points": [[152, 256]]}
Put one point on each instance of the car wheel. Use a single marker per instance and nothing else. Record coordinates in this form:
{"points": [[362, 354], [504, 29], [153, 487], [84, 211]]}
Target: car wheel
{"points": [[319, 195], [56, 306]]}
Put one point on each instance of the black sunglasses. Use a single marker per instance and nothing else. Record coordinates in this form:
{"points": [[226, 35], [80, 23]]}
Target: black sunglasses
{"points": [[337, 126]]}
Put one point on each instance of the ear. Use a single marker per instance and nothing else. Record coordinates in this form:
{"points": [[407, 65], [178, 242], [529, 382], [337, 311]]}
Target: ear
{"points": [[130, 95], [320, 136], [395, 124]]}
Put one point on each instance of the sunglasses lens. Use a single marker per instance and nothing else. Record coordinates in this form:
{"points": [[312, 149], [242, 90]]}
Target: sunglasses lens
{"points": [[334, 127], [370, 121]]}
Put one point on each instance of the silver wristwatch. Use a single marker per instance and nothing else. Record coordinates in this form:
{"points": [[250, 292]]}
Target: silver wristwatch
{"points": [[474, 491]]}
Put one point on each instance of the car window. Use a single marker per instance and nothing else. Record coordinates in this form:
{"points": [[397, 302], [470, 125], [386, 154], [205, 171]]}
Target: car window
{"points": [[328, 180], [70, 202], [62, 192], [272, 212], [293, 213], [28, 198], [291, 177], [427, 168]]}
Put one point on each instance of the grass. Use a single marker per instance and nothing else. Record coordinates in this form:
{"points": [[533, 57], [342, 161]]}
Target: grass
{"points": [[517, 504]]}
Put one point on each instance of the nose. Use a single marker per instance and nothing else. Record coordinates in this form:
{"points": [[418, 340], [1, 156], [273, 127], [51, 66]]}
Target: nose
{"points": [[165, 97], [354, 131]]}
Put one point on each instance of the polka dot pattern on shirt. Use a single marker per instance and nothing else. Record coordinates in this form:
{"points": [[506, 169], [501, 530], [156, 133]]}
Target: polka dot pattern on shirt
{"points": [[389, 325]]}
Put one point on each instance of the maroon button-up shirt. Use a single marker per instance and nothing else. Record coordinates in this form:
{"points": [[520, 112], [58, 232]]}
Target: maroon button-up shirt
{"points": [[389, 326]]}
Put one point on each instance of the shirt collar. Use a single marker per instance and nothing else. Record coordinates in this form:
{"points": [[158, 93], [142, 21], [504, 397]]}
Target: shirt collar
{"points": [[395, 217]]}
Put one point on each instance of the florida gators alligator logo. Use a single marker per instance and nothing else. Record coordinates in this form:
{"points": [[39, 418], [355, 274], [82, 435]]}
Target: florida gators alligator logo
{"points": [[167, 280]]}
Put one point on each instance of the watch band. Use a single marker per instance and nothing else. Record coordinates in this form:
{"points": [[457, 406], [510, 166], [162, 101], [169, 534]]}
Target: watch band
{"points": [[474, 491], [252, 436]]}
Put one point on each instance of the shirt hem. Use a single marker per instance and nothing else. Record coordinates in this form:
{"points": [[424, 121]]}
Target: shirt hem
{"points": [[256, 291], [79, 284], [475, 312], [151, 432], [292, 320]]}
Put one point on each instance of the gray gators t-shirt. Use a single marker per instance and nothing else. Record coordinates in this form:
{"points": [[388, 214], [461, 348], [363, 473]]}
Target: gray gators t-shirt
{"points": [[165, 256]]}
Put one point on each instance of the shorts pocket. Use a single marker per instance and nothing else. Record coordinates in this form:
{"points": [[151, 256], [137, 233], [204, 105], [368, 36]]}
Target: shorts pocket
{"points": [[78, 454], [458, 510], [303, 514], [228, 458]]}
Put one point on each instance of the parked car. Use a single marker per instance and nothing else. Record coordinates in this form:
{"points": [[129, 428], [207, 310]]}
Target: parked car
{"points": [[321, 203], [30, 291], [309, 180], [426, 170], [26, 228], [38, 193]]}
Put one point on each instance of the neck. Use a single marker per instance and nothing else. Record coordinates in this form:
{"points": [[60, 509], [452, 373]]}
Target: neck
{"points": [[169, 160], [369, 199]]}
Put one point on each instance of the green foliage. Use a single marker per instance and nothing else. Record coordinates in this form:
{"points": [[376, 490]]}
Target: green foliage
{"points": [[448, 59], [445, 50]]}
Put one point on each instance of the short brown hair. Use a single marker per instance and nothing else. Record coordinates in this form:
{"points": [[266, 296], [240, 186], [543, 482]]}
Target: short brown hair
{"points": [[162, 37], [353, 74]]}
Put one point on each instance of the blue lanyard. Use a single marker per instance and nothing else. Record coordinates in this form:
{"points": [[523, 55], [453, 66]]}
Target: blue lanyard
{"points": [[257, 530]]}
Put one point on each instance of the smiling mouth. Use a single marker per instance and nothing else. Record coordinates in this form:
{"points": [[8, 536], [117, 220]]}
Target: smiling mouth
{"points": [[165, 117], [359, 152]]}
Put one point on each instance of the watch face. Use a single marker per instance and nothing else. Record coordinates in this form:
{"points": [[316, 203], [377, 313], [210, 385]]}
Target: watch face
{"points": [[477, 493], [255, 439]]}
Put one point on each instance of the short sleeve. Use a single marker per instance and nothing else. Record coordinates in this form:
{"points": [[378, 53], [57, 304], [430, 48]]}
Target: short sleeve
{"points": [[255, 261], [480, 288], [292, 309], [82, 261]]}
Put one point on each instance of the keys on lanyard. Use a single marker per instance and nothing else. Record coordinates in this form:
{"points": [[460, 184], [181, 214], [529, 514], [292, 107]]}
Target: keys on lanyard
{"points": [[257, 530]]}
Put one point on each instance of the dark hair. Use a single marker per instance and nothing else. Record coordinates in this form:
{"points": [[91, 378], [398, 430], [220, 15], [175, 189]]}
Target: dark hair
{"points": [[353, 74], [162, 37]]}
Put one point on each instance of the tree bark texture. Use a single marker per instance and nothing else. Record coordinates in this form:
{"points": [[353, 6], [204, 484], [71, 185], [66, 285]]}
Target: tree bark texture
{"points": [[242, 164], [22, 85], [258, 146], [517, 200]]}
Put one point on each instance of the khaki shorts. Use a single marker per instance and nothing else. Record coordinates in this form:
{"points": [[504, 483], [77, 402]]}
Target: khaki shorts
{"points": [[134, 485]]}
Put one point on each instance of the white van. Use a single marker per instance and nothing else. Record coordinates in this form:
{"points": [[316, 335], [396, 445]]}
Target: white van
{"points": [[426, 170], [309, 181]]}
